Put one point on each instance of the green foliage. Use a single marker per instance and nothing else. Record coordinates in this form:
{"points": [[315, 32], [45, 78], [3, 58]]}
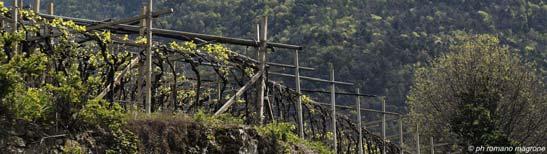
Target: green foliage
{"points": [[284, 132], [55, 86], [26, 103], [306, 99], [72, 147], [185, 48], [477, 126], [478, 88], [32, 104], [97, 112], [3, 9], [218, 51], [100, 113], [6, 84], [216, 121], [67, 25]]}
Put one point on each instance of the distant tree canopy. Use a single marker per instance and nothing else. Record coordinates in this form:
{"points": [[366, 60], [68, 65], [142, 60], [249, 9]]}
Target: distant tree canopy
{"points": [[480, 93]]}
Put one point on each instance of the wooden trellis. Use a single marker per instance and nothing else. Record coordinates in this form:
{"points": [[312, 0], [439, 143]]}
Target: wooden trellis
{"points": [[268, 99]]}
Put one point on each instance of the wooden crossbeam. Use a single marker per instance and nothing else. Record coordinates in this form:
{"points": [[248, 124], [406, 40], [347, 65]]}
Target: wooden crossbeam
{"points": [[373, 123], [291, 66], [129, 20], [312, 79], [102, 25], [118, 78], [396, 136], [340, 93], [349, 107], [180, 35], [238, 94]]}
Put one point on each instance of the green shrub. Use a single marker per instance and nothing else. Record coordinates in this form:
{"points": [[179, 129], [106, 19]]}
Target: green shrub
{"points": [[28, 104], [100, 113], [216, 121], [72, 147], [6, 84], [16, 97], [96, 112], [284, 131], [31, 104]]}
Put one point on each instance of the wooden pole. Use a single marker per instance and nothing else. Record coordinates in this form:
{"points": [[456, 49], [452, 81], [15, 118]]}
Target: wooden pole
{"points": [[15, 22], [258, 39], [149, 59], [313, 79], [359, 121], [51, 9], [219, 88], [127, 20], [110, 87], [384, 125], [238, 93], [142, 28], [401, 142], [36, 6], [175, 89], [3, 24], [270, 107], [141, 68], [180, 35], [417, 137], [432, 145], [333, 105], [262, 53], [299, 100]]}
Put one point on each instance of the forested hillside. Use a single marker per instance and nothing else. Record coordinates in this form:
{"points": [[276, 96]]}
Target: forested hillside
{"points": [[374, 42]]}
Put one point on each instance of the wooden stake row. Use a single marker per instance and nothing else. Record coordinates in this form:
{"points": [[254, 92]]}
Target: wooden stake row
{"points": [[262, 45]]}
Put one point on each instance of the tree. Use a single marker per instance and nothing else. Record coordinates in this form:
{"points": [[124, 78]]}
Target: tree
{"points": [[480, 93]]}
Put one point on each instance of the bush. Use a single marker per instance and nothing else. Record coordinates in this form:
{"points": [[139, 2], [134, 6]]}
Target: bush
{"points": [[30, 104], [284, 131], [216, 121], [96, 113]]}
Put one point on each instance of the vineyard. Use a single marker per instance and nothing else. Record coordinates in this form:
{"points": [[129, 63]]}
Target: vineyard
{"points": [[65, 66]]}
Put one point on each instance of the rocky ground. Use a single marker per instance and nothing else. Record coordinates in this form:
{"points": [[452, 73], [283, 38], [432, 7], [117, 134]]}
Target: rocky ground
{"points": [[154, 136]]}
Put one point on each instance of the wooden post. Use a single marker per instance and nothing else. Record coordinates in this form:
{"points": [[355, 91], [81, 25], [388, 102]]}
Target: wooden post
{"points": [[359, 121], [142, 30], [384, 125], [149, 59], [175, 89], [299, 100], [15, 22], [432, 145], [51, 9], [238, 93], [36, 6], [401, 142], [333, 105], [258, 39], [141, 75], [418, 137], [219, 88], [262, 58]]}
